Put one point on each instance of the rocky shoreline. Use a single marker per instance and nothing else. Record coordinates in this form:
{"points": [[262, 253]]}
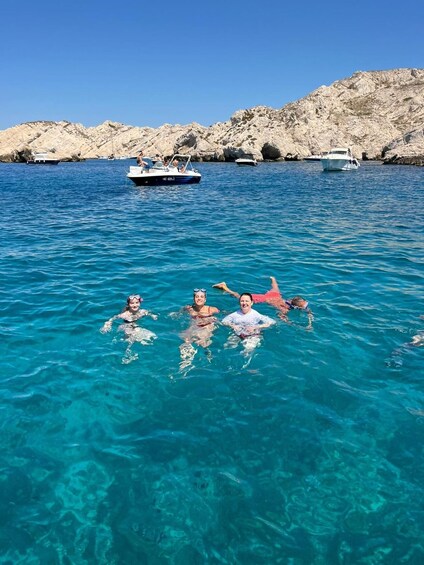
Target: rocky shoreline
{"points": [[418, 160], [379, 114]]}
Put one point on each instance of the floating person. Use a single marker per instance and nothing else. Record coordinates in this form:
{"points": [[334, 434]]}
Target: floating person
{"points": [[417, 340], [202, 324], [247, 323], [133, 333], [274, 298]]}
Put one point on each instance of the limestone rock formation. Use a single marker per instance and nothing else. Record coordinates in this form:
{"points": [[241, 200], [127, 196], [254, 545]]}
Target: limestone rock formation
{"points": [[380, 114], [407, 149]]}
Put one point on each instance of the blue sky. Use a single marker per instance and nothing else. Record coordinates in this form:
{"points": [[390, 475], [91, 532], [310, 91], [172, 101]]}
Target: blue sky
{"points": [[149, 63]]}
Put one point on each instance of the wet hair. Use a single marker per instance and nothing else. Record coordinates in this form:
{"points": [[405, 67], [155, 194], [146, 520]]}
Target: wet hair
{"points": [[297, 301], [246, 294]]}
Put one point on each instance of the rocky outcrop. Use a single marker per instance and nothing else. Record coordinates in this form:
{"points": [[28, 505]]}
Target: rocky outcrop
{"points": [[406, 149], [380, 114], [417, 160]]}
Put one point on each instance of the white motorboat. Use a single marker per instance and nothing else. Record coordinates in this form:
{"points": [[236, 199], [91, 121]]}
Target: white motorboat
{"points": [[314, 157], [339, 159], [42, 159], [179, 171], [247, 160]]}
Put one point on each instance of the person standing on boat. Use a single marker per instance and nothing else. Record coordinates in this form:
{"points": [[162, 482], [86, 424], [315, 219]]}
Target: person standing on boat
{"points": [[141, 162]]}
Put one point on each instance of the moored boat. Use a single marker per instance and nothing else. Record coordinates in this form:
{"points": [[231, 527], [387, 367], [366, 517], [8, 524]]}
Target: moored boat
{"points": [[314, 157], [179, 171], [339, 159], [246, 160], [42, 159]]}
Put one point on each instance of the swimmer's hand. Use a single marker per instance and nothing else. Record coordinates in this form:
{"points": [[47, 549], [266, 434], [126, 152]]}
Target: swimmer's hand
{"points": [[107, 326], [154, 316], [310, 320], [283, 317], [175, 315], [251, 330]]}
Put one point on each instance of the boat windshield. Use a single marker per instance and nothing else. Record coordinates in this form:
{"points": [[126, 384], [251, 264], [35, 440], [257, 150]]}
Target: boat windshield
{"points": [[158, 165], [180, 162], [340, 151]]}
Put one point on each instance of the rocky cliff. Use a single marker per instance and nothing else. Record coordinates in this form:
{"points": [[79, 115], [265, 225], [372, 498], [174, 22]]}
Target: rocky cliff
{"points": [[380, 114]]}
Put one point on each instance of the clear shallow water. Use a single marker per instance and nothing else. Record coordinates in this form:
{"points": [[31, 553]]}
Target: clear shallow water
{"points": [[311, 452]]}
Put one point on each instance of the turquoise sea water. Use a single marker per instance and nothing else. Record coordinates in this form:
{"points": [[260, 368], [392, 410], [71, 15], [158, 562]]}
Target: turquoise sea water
{"points": [[308, 452]]}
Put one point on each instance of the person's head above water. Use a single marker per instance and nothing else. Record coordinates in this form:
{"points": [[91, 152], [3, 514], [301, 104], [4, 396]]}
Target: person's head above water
{"points": [[246, 301], [199, 296], [134, 301], [299, 302]]}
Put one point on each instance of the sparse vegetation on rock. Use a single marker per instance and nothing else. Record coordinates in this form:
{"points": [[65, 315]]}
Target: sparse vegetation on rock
{"points": [[379, 114]]}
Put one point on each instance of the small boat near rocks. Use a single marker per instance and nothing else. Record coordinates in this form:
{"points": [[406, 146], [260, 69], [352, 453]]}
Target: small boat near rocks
{"points": [[339, 159], [246, 160], [179, 171], [314, 157], [42, 159]]}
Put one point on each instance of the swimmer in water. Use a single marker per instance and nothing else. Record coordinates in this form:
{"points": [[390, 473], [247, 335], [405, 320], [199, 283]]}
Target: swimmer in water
{"points": [[133, 333], [247, 323], [418, 339], [396, 357], [274, 298], [203, 322]]}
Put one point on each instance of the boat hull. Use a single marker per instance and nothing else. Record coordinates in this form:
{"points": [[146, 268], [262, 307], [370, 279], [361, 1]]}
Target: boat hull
{"points": [[247, 164], [339, 164], [313, 158], [44, 162], [147, 179], [179, 171]]}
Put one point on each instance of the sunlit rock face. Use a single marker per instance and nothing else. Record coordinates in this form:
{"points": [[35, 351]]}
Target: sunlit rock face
{"points": [[379, 114]]}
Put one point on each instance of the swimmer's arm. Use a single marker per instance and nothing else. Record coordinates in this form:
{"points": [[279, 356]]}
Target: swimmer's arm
{"points": [[237, 329], [179, 313], [107, 326], [148, 313], [266, 322], [227, 321], [283, 316], [310, 320]]}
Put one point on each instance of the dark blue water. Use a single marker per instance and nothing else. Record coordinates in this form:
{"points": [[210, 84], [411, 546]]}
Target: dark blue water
{"points": [[308, 451]]}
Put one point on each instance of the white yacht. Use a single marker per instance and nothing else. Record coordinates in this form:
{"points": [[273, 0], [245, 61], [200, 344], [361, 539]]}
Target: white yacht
{"points": [[246, 160], [179, 171], [339, 159], [42, 159], [314, 157]]}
